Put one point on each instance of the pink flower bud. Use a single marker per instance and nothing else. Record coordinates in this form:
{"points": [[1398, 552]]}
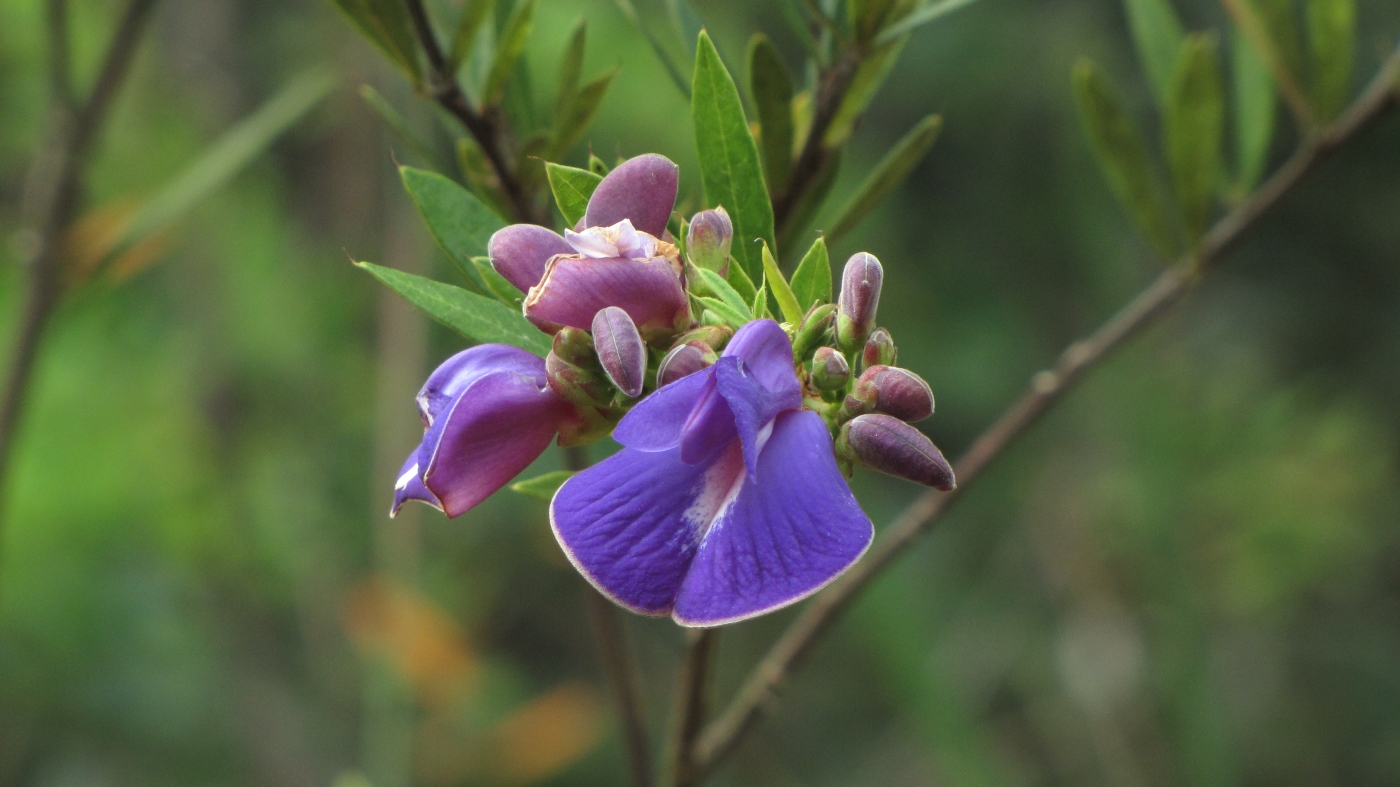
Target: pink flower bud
{"points": [[879, 349], [708, 239], [830, 371], [899, 392], [684, 360], [620, 350], [889, 445], [859, 299]]}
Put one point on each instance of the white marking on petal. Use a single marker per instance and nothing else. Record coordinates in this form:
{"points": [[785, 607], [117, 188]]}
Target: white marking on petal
{"points": [[716, 491], [408, 475], [619, 240]]}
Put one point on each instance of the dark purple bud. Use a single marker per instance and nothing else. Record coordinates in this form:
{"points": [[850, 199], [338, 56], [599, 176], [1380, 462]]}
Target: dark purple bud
{"points": [[899, 392], [879, 349], [620, 350], [830, 371], [860, 297], [684, 360], [519, 253], [860, 400], [574, 346], [642, 189], [576, 384], [887, 444], [708, 239]]}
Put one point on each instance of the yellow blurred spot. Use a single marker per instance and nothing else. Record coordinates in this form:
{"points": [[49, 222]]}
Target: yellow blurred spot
{"points": [[419, 638], [548, 734], [91, 244]]}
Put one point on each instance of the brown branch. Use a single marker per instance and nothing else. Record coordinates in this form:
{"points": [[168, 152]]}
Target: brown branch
{"points": [[692, 687], [485, 127], [759, 692], [832, 84]]}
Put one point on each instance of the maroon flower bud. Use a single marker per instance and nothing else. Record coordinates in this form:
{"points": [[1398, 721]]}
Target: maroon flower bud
{"points": [[684, 360], [574, 346], [889, 445], [620, 350], [860, 400], [708, 239], [860, 297], [830, 371], [898, 392], [879, 349]]}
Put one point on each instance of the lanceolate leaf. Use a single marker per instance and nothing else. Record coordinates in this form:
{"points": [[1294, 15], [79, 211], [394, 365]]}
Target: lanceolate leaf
{"points": [[474, 316], [1331, 36], [663, 52], [921, 17], [509, 49], [575, 121], [396, 123], [770, 84], [782, 293], [1122, 153], [736, 318], [497, 284], [542, 487], [811, 282], [1255, 105], [869, 76], [468, 29], [888, 174], [459, 222], [1272, 30], [1193, 123], [722, 290], [478, 173], [570, 70], [741, 282], [572, 187], [386, 24], [1157, 34]]}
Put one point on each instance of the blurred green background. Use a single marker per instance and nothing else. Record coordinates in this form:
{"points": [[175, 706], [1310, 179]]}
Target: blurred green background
{"points": [[1188, 575]]}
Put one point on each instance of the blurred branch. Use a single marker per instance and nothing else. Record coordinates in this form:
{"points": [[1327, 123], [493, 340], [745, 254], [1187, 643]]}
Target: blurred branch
{"points": [[692, 685], [833, 82], [485, 127], [55, 191], [758, 692]]}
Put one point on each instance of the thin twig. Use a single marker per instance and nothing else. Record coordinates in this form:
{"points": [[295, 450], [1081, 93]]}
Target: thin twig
{"points": [[758, 692], [485, 127], [692, 689]]}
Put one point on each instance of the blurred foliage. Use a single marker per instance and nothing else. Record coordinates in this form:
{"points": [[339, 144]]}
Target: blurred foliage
{"points": [[1186, 576]]}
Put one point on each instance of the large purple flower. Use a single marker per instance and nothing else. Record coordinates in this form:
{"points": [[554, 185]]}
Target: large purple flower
{"points": [[488, 412], [617, 256], [726, 501]]}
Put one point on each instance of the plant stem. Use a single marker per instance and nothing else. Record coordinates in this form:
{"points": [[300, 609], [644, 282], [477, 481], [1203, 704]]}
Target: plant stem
{"points": [[692, 687], [758, 692]]}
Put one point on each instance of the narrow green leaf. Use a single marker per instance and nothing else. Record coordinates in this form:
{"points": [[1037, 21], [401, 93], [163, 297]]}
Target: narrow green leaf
{"points": [[460, 223], [1193, 123], [572, 187], [1272, 30], [770, 85], [504, 291], [811, 282], [869, 76], [782, 292], [479, 175], [1122, 154], [468, 30], [386, 24], [476, 317], [1157, 34], [598, 166], [715, 285], [226, 157], [662, 51], [543, 487], [741, 282], [508, 51], [760, 303], [575, 122], [397, 124], [887, 175], [867, 17], [734, 317], [729, 163], [1255, 105], [810, 204], [919, 18], [570, 71], [1331, 38]]}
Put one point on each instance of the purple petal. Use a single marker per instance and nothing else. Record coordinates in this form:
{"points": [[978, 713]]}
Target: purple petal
{"points": [[709, 427], [783, 537], [495, 428], [642, 189], [753, 406], [457, 373], [655, 423], [767, 352], [409, 486], [574, 289], [519, 253], [630, 524]]}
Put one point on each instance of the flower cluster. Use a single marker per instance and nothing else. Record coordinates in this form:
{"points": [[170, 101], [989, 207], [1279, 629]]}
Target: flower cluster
{"points": [[729, 497]]}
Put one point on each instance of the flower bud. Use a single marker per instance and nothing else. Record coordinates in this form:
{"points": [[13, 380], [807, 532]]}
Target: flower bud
{"points": [[860, 400], [715, 337], [708, 239], [684, 360], [830, 371], [860, 297], [573, 346], [889, 445], [620, 350], [898, 392], [879, 349], [813, 329], [576, 384]]}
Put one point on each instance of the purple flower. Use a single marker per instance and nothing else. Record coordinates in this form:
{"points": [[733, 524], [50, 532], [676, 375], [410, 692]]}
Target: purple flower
{"points": [[726, 501], [488, 412], [617, 257]]}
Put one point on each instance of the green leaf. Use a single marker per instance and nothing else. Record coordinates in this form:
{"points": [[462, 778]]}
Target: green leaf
{"points": [[504, 291], [598, 166], [1272, 30], [660, 48], [572, 188], [543, 487], [1192, 126], [1157, 34], [811, 282], [729, 164], [386, 24], [782, 292], [570, 71], [760, 303], [741, 282], [1331, 37], [460, 223], [734, 317], [468, 30], [226, 157], [575, 122], [887, 175], [869, 76], [770, 85], [810, 203], [478, 173], [1255, 105], [508, 51], [1122, 154], [397, 124], [476, 317], [918, 19], [715, 285]]}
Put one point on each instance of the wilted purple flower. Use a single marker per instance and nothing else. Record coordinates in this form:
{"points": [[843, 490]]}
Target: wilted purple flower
{"points": [[487, 413], [617, 256], [726, 501]]}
